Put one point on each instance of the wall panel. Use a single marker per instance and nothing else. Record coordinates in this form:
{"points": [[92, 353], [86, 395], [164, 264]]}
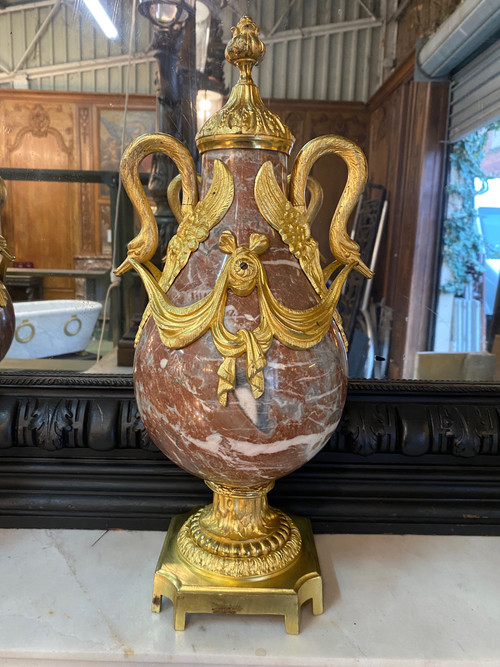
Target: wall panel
{"points": [[55, 224], [407, 133]]}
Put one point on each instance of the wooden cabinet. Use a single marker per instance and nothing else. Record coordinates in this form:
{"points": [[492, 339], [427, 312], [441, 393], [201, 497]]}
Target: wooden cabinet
{"points": [[50, 223], [41, 218]]}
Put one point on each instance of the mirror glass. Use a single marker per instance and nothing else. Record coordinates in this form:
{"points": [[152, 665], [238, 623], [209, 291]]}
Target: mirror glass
{"points": [[78, 85]]}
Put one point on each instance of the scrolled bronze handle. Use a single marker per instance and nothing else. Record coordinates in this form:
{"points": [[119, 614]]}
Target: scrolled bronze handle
{"points": [[143, 246], [344, 249]]}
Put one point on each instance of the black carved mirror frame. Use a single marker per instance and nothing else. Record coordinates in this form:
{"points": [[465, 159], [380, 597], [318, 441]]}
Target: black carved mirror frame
{"points": [[408, 457]]}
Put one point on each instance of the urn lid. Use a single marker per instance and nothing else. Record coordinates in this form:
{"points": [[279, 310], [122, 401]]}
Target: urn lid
{"points": [[244, 121]]}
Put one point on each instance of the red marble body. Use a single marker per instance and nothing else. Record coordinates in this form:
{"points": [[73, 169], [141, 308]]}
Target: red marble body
{"points": [[7, 326], [249, 441]]}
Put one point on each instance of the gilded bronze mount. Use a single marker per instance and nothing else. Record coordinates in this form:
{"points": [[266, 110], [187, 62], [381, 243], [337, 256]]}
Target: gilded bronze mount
{"points": [[238, 555]]}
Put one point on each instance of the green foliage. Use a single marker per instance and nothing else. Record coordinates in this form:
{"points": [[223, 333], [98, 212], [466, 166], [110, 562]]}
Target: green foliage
{"points": [[462, 244]]}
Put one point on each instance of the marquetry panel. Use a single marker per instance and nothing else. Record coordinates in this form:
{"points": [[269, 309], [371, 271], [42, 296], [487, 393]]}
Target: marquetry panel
{"points": [[88, 238], [107, 129]]}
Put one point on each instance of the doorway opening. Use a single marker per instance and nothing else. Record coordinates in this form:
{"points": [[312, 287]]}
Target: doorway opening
{"points": [[466, 321]]}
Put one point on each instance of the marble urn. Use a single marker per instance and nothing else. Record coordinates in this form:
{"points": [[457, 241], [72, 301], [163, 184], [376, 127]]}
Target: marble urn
{"points": [[240, 363], [7, 316]]}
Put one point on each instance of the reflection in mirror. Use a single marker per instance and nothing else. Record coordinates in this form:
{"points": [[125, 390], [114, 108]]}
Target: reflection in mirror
{"points": [[466, 322], [72, 98]]}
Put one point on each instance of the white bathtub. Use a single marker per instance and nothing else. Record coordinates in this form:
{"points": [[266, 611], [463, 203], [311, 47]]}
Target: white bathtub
{"points": [[50, 328]]}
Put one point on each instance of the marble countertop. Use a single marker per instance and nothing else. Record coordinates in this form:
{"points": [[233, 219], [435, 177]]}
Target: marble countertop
{"points": [[76, 597]]}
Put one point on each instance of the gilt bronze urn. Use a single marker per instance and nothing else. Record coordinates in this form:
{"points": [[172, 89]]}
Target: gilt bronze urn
{"points": [[240, 364]]}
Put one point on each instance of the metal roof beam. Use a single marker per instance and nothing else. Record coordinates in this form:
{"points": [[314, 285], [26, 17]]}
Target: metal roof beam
{"points": [[318, 30], [50, 17], [277, 24], [76, 67], [27, 5], [367, 10]]}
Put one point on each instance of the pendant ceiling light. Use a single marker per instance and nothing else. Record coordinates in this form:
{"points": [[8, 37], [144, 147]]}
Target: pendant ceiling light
{"points": [[166, 13]]}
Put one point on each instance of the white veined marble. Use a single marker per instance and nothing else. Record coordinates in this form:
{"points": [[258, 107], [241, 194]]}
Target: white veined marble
{"points": [[52, 327], [69, 598]]}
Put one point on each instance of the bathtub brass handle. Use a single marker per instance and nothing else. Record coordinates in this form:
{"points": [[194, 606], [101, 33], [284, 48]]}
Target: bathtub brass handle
{"points": [[73, 318], [26, 339]]}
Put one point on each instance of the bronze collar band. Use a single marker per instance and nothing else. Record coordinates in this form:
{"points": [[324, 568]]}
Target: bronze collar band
{"points": [[244, 141]]}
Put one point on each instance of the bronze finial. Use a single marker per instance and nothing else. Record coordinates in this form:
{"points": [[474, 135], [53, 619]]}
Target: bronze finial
{"points": [[245, 50], [244, 121]]}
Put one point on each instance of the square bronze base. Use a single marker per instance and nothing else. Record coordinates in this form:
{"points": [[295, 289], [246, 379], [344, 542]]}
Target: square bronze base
{"points": [[192, 590]]}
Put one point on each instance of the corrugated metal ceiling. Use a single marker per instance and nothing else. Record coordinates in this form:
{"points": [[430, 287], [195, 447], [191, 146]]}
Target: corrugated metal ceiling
{"points": [[320, 49]]}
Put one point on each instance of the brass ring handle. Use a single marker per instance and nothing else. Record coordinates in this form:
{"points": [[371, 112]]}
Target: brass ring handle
{"points": [[73, 318], [25, 339]]}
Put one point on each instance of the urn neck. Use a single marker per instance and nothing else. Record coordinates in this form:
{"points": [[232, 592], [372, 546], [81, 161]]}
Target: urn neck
{"points": [[239, 513]]}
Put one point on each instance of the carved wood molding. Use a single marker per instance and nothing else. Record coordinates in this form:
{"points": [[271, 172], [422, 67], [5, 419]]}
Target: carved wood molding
{"points": [[402, 74], [409, 418], [39, 125], [407, 456]]}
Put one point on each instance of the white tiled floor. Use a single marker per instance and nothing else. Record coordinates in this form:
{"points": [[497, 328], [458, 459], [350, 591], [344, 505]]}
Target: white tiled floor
{"points": [[68, 598]]}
